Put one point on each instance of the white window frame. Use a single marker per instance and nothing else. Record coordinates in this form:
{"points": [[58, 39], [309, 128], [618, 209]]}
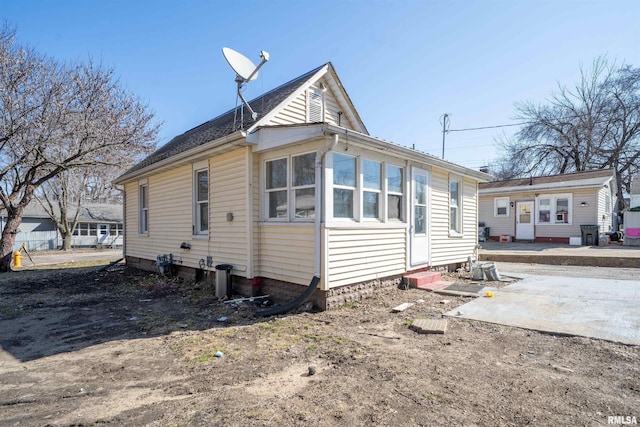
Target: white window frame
{"points": [[290, 189], [143, 208], [496, 204], [198, 230], [315, 101], [294, 188], [268, 191], [385, 167], [458, 230], [553, 206], [355, 207], [378, 191]]}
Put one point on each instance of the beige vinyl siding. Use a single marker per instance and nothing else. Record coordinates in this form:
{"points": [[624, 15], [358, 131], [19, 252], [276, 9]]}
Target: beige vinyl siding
{"points": [[447, 249], [361, 254], [132, 202], [504, 225], [170, 215], [580, 215], [606, 223], [296, 111], [286, 252], [228, 194]]}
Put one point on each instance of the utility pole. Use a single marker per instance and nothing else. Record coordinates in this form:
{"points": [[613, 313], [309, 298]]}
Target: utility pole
{"points": [[444, 119]]}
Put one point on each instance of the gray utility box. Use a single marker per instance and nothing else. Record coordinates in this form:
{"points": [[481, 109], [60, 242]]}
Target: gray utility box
{"points": [[223, 280]]}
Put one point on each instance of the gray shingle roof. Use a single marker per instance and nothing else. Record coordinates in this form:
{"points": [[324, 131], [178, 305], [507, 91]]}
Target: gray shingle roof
{"points": [[89, 212], [536, 180], [223, 125]]}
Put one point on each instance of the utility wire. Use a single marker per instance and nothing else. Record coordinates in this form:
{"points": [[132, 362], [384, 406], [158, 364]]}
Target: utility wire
{"points": [[488, 127]]}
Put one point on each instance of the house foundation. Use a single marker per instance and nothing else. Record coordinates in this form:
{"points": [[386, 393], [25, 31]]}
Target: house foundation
{"points": [[278, 290]]}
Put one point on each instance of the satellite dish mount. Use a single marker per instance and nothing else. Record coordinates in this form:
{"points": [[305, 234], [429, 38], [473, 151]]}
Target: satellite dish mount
{"points": [[245, 71]]}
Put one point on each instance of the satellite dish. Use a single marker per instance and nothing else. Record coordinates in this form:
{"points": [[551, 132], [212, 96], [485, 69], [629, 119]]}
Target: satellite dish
{"points": [[242, 65], [246, 71]]}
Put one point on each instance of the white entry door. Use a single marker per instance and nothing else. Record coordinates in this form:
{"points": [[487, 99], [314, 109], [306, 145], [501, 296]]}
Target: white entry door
{"points": [[524, 221], [419, 217], [103, 233]]}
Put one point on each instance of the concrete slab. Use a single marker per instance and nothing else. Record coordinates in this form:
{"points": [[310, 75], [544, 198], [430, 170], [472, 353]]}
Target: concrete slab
{"points": [[429, 326], [596, 308]]}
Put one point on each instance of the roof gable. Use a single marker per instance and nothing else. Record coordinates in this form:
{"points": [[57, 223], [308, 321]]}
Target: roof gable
{"points": [[267, 105]]}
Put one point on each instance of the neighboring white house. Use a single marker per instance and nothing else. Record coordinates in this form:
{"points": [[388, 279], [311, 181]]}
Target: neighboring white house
{"points": [[552, 208], [99, 224], [303, 191]]}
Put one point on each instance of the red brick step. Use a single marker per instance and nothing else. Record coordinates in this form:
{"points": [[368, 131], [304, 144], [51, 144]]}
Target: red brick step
{"points": [[429, 280]]}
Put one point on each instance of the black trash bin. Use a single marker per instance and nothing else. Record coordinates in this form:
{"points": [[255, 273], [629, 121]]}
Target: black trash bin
{"points": [[223, 281], [590, 234]]}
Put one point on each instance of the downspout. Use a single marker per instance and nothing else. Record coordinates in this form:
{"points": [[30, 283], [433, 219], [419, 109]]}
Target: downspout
{"points": [[316, 240], [319, 201]]}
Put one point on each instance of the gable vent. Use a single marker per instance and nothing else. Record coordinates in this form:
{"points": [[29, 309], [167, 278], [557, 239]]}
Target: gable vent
{"points": [[315, 107]]}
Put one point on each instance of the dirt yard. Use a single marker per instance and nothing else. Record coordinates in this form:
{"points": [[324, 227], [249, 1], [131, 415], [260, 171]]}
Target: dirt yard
{"points": [[127, 348]]}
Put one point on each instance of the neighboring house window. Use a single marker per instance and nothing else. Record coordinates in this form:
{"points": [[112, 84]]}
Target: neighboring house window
{"points": [[315, 106], [85, 229], [562, 211], [544, 211], [554, 209], [344, 185], [501, 206], [115, 229], [455, 204], [143, 227], [300, 183], [372, 187], [201, 203], [394, 193]]}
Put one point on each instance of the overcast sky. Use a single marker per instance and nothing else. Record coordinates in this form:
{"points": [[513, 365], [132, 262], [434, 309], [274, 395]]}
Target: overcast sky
{"points": [[403, 63]]}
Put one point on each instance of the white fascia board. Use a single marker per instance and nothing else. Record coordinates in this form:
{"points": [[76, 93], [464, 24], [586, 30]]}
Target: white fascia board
{"points": [[274, 111], [370, 142], [182, 158], [345, 103], [554, 186], [270, 137]]}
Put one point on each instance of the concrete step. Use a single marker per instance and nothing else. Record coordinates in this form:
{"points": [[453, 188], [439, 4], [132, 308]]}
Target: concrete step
{"points": [[421, 278], [434, 286]]}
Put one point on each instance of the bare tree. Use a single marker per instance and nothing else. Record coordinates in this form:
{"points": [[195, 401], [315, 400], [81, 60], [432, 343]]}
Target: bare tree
{"points": [[594, 125], [55, 118]]}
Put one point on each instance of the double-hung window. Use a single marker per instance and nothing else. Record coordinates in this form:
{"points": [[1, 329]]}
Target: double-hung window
{"points": [[372, 187], [201, 201], [554, 209], [394, 193], [143, 203], [291, 188], [303, 185], [344, 185], [455, 204], [277, 193]]}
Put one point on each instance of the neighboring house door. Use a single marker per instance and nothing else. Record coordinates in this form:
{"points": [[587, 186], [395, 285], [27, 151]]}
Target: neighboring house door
{"points": [[103, 233], [524, 221], [419, 217]]}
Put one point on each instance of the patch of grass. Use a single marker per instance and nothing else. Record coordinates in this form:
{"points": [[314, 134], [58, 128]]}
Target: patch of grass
{"points": [[9, 311], [350, 304], [311, 347]]}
